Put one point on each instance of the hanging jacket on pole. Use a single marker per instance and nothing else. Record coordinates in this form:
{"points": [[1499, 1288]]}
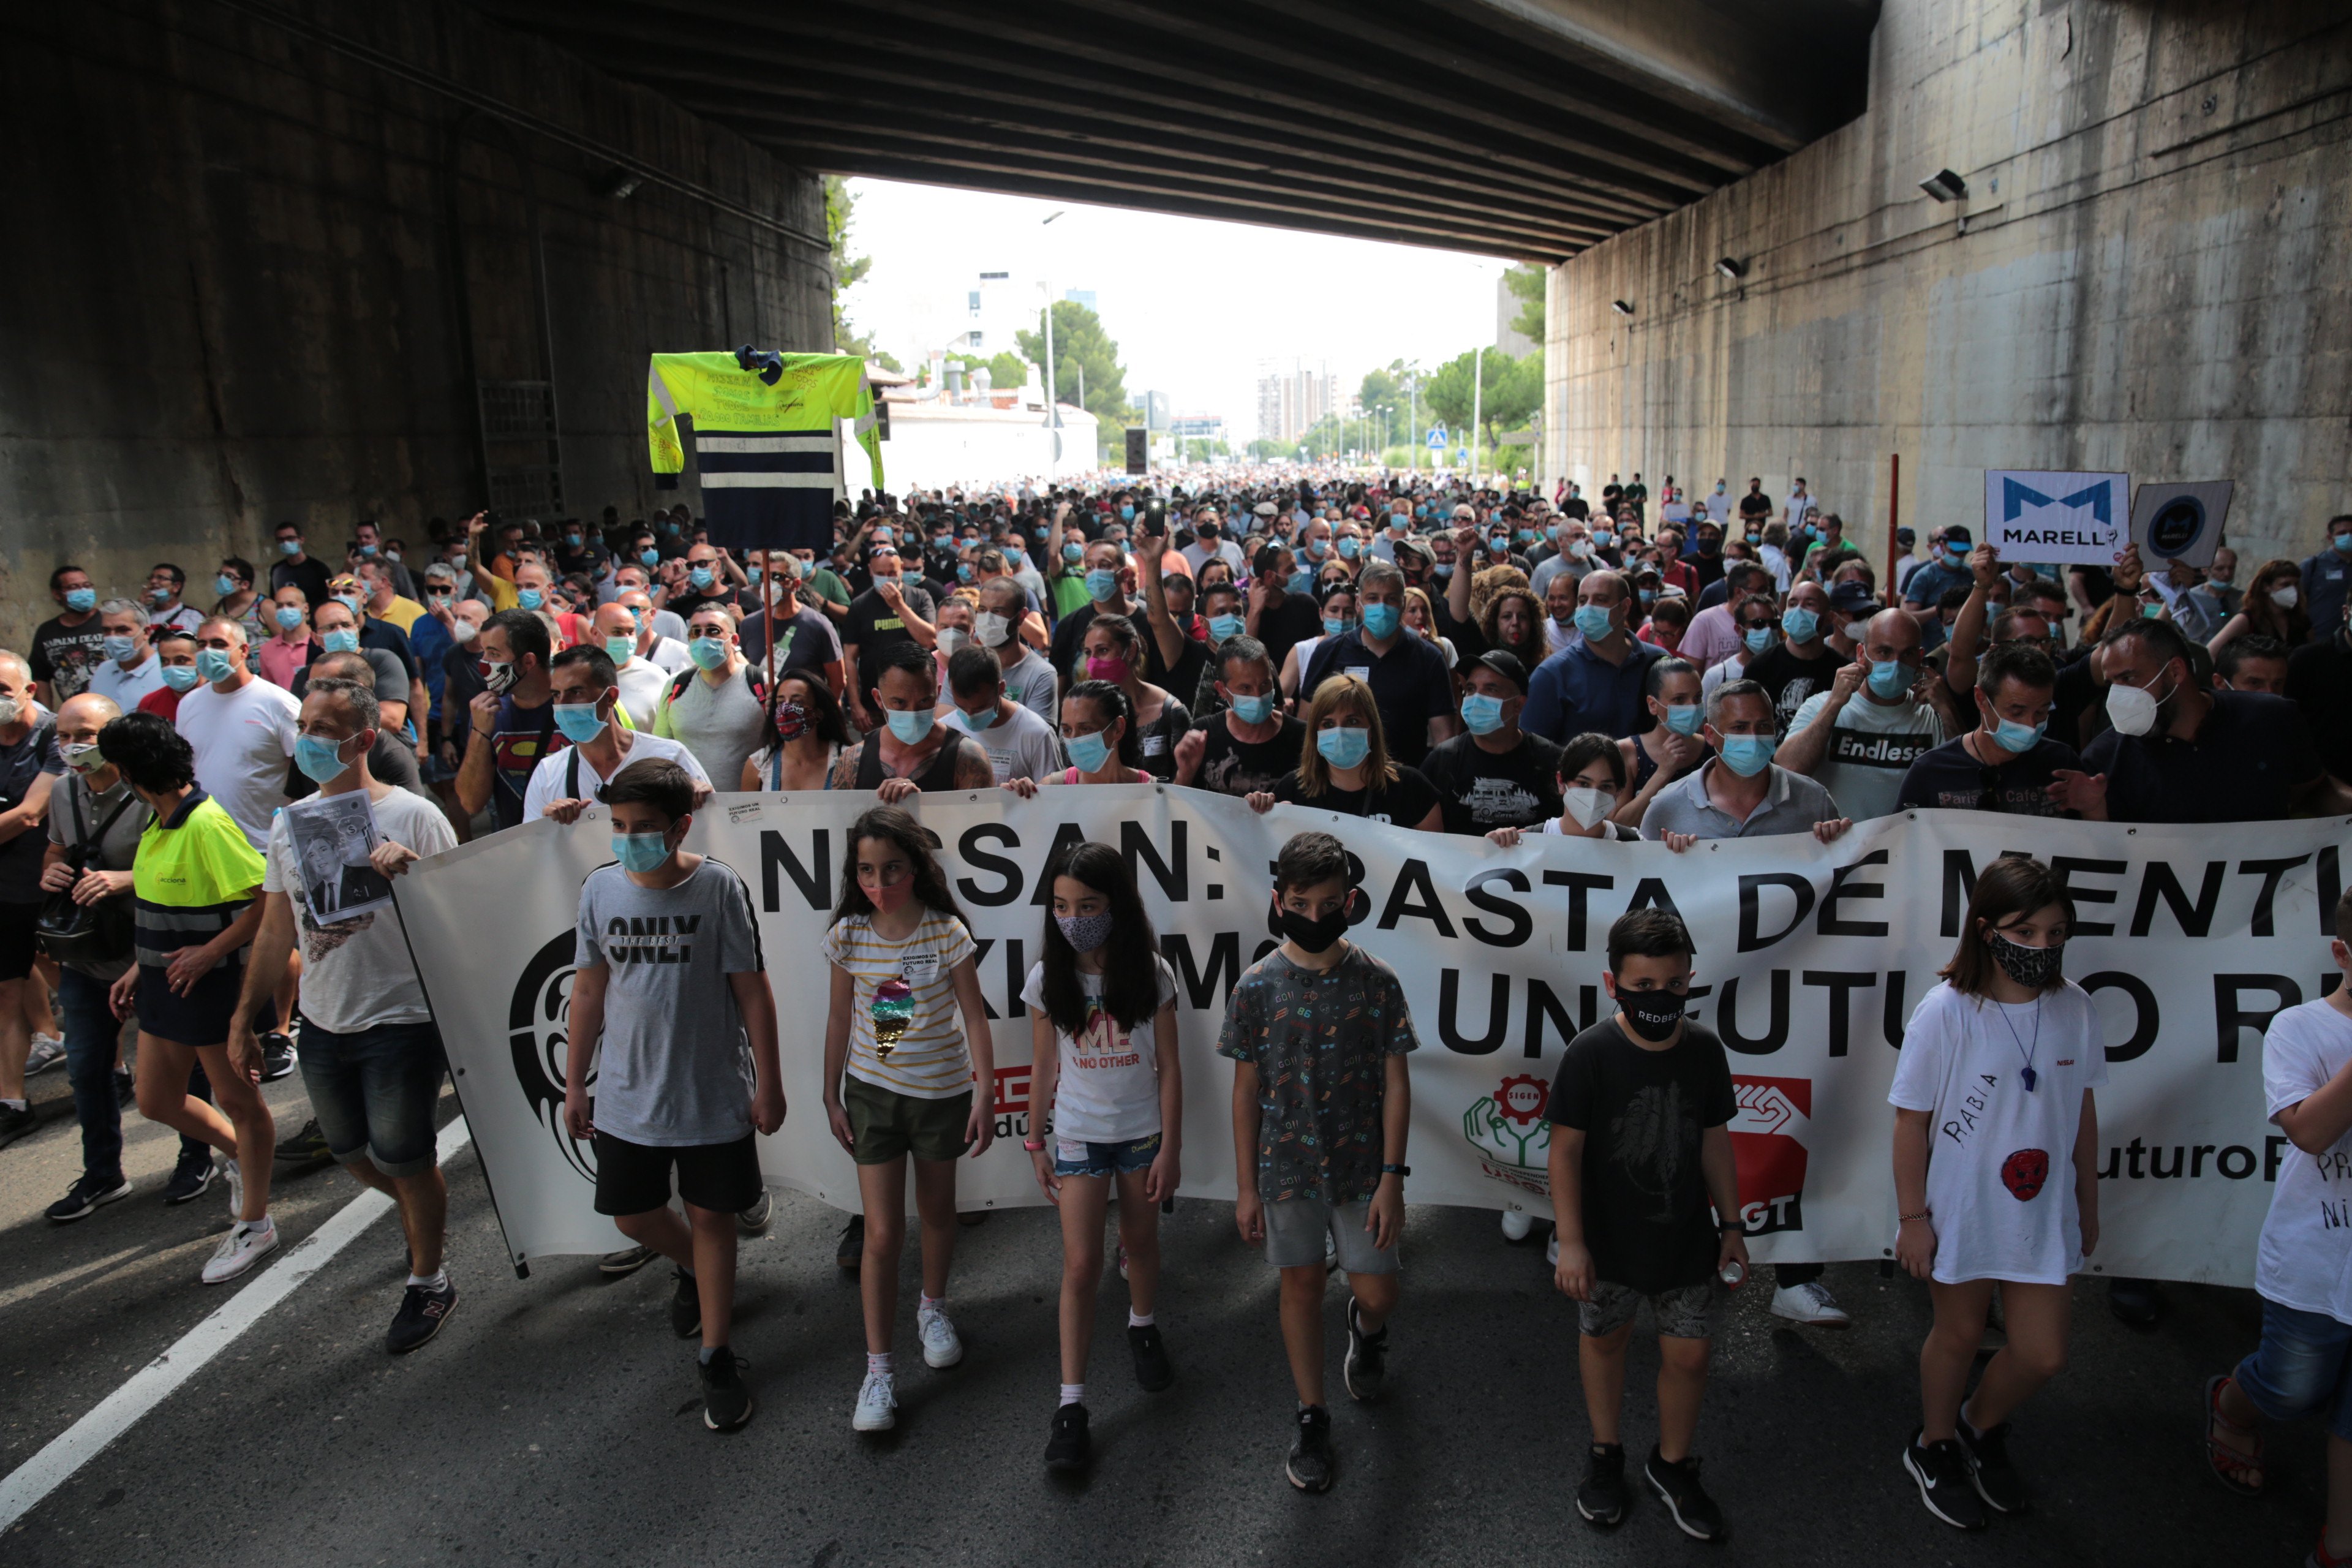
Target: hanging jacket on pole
{"points": [[765, 443]]}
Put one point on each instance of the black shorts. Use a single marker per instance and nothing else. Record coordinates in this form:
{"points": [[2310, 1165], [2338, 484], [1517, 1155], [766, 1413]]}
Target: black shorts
{"points": [[634, 1178], [16, 939]]}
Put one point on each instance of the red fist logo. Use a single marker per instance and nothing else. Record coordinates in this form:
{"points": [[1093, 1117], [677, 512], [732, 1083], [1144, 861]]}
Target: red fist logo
{"points": [[2024, 1172]]}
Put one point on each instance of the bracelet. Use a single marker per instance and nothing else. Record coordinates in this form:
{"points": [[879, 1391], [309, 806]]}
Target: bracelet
{"points": [[1032, 1148], [1908, 1219]]}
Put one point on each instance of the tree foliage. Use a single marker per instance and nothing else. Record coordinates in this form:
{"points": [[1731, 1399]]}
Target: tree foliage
{"points": [[1526, 286], [847, 270], [1512, 390], [1084, 355], [1006, 371]]}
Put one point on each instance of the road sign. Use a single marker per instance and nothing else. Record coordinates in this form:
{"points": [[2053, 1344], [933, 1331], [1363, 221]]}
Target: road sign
{"points": [[1437, 435], [2179, 521]]}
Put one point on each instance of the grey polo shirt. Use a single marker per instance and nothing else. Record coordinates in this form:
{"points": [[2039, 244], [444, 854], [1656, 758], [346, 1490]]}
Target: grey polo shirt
{"points": [[1792, 805]]}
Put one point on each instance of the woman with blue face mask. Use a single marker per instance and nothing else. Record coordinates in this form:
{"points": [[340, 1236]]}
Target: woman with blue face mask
{"points": [[1337, 604], [1671, 747], [1345, 764], [1098, 736]]}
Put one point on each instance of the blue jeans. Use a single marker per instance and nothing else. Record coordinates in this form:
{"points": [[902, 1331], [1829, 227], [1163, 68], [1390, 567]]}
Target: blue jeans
{"points": [[92, 1032], [2303, 1367], [373, 1091]]}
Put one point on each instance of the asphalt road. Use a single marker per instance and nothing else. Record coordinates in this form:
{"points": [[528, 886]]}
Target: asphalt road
{"points": [[555, 1421]]}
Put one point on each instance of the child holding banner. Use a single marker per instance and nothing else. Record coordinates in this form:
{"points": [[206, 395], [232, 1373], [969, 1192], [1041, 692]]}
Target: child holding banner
{"points": [[1992, 1099], [1102, 1005], [901, 1081]]}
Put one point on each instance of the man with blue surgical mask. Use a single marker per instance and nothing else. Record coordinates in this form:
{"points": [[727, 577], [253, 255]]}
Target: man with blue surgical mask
{"points": [[1406, 672], [585, 693], [1949, 568], [339, 630], [1805, 661], [241, 728], [1494, 774], [67, 646], [131, 668], [1105, 566], [894, 612], [908, 749], [1247, 743], [1596, 682], [2325, 579], [1878, 716], [641, 681], [2009, 763], [293, 566]]}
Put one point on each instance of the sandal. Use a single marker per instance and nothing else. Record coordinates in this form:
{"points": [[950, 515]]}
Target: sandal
{"points": [[2226, 1464]]}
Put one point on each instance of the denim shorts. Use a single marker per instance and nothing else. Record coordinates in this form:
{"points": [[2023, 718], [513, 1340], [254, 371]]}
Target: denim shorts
{"points": [[374, 1094], [1295, 1229], [1074, 1158], [2303, 1367]]}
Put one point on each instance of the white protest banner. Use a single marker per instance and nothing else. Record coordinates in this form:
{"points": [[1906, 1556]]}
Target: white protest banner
{"points": [[2179, 522], [1811, 959], [2079, 520]]}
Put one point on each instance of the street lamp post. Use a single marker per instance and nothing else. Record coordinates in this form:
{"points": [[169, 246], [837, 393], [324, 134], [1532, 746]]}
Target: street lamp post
{"points": [[1053, 408], [1477, 406]]}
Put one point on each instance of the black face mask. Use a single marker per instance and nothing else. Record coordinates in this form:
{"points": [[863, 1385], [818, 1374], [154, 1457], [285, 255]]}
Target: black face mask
{"points": [[2031, 967], [1653, 1014], [1312, 935]]}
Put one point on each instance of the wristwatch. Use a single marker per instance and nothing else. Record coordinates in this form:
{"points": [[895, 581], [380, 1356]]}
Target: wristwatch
{"points": [[1396, 1170]]}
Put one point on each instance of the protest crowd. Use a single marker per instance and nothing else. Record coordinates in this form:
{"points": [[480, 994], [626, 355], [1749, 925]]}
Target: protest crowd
{"points": [[206, 796]]}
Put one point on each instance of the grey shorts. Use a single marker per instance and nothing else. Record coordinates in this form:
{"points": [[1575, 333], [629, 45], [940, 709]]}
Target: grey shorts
{"points": [[1295, 1229], [1685, 1312]]}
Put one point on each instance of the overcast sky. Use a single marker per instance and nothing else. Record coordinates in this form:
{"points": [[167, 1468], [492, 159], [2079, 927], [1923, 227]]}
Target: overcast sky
{"points": [[1193, 304]]}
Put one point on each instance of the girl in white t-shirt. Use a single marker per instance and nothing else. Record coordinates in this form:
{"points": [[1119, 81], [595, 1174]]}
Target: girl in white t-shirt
{"points": [[901, 1080], [1102, 1005], [1996, 1176]]}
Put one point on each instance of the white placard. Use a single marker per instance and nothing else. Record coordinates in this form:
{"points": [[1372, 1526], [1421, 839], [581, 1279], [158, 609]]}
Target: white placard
{"points": [[2076, 520]]}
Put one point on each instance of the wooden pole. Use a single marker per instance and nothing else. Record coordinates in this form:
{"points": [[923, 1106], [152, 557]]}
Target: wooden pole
{"points": [[1894, 520]]}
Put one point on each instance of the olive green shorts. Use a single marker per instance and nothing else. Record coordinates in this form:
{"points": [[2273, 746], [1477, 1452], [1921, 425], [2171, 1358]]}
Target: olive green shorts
{"points": [[885, 1125]]}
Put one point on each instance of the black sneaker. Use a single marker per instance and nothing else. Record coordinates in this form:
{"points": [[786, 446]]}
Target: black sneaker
{"points": [[87, 1193], [1066, 1448], [1602, 1499], [726, 1402], [304, 1150], [2134, 1303], [1366, 1369], [16, 1124], [851, 1250], [1942, 1471], [277, 1057], [190, 1178], [1310, 1467], [126, 1092], [1695, 1513], [685, 1307], [1152, 1372], [422, 1313], [626, 1262], [1997, 1480]]}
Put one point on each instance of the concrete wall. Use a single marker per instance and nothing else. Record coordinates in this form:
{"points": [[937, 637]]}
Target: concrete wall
{"points": [[2150, 274], [248, 278]]}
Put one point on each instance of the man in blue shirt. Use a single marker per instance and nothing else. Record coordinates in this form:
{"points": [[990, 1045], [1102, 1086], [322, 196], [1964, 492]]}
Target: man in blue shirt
{"points": [[1924, 591], [1595, 682], [2323, 577]]}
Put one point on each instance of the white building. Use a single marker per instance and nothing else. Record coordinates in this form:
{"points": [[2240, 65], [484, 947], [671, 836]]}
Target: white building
{"points": [[940, 439]]}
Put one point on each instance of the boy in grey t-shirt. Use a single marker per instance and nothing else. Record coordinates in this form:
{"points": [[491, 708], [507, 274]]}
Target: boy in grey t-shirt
{"points": [[670, 981]]}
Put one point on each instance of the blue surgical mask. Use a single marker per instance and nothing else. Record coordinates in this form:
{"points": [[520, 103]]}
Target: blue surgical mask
{"points": [[289, 547], [976, 722], [701, 577], [81, 601], [2017, 739], [1335, 625], [1682, 718], [1382, 620], [649, 558], [1318, 548], [1593, 621], [1649, 595], [1480, 715], [318, 759], [1756, 639], [963, 571], [120, 648], [1251, 710], [367, 549], [1399, 522], [1013, 557], [641, 852], [530, 598], [288, 617], [1073, 551], [1127, 514], [1603, 537], [1747, 755], [910, 727], [1345, 747], [1224, 628], [708, 653], [620, 649], [225, 585], [214, 664], [2343, 542], [1888, 677], [1799, 625], [1443, 569], [1348, 547], [1089, 753], [343, 640], [578, 721], [1101, 584], [181, 677]]}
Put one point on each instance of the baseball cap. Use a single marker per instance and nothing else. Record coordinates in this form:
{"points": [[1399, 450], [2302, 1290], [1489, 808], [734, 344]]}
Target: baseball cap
{"points": [[1906, 534], [1958, 533], [1850, 598], [1263, 509], [1505, 663]]}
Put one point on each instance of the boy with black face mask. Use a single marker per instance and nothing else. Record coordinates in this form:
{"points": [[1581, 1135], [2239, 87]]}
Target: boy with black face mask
{"points": [[1648, 1203], [1319, 1028]]}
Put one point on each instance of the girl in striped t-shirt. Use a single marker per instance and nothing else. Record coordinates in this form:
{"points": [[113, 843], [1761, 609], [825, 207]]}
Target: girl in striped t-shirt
{"points": [[900, 1079]]}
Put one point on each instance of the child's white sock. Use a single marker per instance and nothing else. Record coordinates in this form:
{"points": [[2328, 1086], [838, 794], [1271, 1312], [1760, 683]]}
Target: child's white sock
{"points": [[881, 1362], [1074, 1394], [1136, 1319], [931, 1303], [439, 1280]]}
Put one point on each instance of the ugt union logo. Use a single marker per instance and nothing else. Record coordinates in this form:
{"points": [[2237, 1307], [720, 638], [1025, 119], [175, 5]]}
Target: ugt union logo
{"points": [[537, 1017], [1769, 1136]]}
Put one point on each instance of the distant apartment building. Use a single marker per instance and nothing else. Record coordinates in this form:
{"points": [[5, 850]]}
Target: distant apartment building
{"points": [[1290, 401]]}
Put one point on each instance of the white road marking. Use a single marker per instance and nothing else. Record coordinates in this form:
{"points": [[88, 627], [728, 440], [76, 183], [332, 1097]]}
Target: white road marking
{"points": [[37, 1477]]}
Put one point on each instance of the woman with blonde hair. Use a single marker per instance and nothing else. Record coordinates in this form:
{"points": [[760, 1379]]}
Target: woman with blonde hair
{"points": [[1345, 765], [1421, 615]]}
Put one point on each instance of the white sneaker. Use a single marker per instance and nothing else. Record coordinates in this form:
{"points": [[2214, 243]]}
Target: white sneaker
{"points": [[234, 1174], [48, 1052], [1517, 1225], [941, 1348], [1810, 1304], [877, 1405], [240, 1249], [1551, 1248]]}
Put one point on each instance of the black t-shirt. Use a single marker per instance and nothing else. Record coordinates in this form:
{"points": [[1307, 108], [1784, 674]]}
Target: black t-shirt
{"points": [[20, 858], [1792, 679], [2318, 677], [1480, 791], [1648, 1221], [2078, 711], [2245, 765], [1409, 684], [1245, 767], [1709, 571], [1947, 776], [1286, 625], [309, 575], [65, 657], [1405, 803], [875, 629], [1156, 742], [1184, 677], [390, 639], [806, 644], [1759, 505]]}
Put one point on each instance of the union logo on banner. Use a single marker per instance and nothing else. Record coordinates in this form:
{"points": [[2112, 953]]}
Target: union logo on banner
{"points": [[1769, 1135], [1508, 1129], [538, 1039]]}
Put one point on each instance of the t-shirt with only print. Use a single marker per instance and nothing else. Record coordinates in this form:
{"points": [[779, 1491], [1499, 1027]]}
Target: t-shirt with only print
{"points": [[2307, 1246], [357, 972], [1479, 791], [675, 1064], [930, 1060], [1320, 1040], [1108, 1087], [1871, 746], [1648, 1220], [2001, 1157]]}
